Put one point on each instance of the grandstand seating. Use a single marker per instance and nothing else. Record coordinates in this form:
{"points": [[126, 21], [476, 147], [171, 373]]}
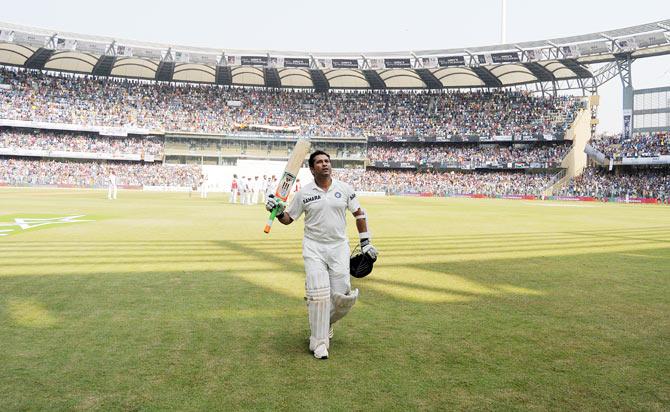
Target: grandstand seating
{"points": [[487, 142], [66, 99], [639, 145]]}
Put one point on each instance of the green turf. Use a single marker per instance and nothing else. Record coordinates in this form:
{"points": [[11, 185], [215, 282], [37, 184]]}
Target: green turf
{"points": [[166, 302]]}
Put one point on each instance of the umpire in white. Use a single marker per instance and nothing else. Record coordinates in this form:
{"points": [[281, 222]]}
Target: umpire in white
{"points": [[325, 247]]}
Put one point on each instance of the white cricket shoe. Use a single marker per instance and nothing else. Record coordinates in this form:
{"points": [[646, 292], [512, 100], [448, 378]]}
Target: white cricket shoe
{"points": [[321, 352], [313, 343]]}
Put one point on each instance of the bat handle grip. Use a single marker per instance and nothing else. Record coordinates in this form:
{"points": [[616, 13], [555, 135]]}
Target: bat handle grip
{"points": [[271, 219]]}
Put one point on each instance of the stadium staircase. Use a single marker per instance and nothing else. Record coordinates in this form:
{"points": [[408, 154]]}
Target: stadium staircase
{"points": [[575, 161], [39, 59], [104, 66], [550, 187], [271, 76], [374, 80], [319, 80], [429, 78], [224, 75]]}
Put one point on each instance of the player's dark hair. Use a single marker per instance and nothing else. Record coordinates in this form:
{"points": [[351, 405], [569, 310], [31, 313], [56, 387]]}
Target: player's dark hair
{"points": [[315, 154]]}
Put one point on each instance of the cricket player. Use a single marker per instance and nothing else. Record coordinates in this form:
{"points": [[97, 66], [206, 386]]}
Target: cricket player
{"points": [[255, 189], [272, 184], [243, 190], [234, 190], [248, 191], [325, 247], [111, 186], [203, 187], [265, 184]]}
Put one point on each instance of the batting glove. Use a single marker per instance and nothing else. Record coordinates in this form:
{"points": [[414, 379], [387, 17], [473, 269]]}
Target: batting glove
{"points": [[366, 247], [273, 202]]}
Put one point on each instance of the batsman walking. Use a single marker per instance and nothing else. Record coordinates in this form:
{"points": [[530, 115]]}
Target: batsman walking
{"points": [[325, 247]]}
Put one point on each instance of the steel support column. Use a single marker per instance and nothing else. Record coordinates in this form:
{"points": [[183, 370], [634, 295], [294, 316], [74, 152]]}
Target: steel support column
{"points": [[624, 64]]}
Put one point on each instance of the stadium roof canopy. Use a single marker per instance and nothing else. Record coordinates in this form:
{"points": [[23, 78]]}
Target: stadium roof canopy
{"points": [[477, 67]]}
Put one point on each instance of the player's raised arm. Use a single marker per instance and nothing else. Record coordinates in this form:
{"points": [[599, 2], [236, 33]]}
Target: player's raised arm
{"points": [[293, 165]]}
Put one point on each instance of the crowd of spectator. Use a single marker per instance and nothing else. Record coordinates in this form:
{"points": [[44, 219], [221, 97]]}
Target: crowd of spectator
{"points": [[20, 172], [601, 183], [638, 145], [446, 183], [86, 100], [467, 154], [91, 101], [79, 142]]}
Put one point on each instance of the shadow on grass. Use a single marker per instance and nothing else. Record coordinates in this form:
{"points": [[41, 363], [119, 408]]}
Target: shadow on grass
{"points": [[176, 340]]}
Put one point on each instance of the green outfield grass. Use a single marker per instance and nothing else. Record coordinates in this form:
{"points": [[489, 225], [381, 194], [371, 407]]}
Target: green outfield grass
{"points": [[164, 302]]}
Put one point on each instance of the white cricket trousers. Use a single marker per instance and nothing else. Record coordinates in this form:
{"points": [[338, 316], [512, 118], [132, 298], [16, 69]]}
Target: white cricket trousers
{"points": [[327, 271], [111, 192]]}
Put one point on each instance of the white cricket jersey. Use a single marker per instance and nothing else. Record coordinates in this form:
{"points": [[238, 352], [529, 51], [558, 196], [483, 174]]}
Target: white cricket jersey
{"points": [[325, 212]]}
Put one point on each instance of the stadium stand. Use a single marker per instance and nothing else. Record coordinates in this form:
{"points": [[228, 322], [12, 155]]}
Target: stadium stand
{"points": [[467, 156], [402, 182], [625, 183], [491, 143], [69, 142], [23, 172], [638, 145], [36, 96]]}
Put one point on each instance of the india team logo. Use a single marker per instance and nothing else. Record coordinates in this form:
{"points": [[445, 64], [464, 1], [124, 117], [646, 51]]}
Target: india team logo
{"points": [[14, 225], [338, 195]]}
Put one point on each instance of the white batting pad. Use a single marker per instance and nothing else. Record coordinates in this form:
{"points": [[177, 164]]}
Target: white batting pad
{"points": [[318, 308], [342, 304]]}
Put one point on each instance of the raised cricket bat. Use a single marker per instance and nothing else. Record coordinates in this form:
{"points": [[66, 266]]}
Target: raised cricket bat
{"points": [[293, 165]]}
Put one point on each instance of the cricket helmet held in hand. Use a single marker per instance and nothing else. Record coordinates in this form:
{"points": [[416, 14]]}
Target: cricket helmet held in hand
{"points": [[360, 264]]}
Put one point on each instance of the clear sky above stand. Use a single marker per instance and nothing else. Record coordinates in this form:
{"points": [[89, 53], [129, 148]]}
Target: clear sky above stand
{"points": [[346, 25]]}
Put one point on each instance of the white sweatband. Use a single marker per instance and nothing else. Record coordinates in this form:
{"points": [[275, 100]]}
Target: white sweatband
{"points": [[364, 235], [360, 216]]}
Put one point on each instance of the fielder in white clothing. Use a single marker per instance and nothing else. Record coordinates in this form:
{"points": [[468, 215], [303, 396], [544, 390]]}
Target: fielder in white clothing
{"points": [[325, 247], [111, 186], [265, 183], [255, 190], [248, 191], [203, 187]]}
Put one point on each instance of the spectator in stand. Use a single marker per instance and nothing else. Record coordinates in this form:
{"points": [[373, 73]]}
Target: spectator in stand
{"points": [[638, 145], [84, 100], [602, 183], [461, 154], [446, 183], [78, 142], [19, 172]]}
